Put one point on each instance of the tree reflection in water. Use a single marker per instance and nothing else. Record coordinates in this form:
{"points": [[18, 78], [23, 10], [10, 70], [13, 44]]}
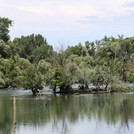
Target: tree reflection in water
{"points": [[61, 113]]}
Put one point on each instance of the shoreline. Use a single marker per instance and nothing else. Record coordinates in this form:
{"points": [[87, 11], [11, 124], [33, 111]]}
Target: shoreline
{"points": [[77, 92]]}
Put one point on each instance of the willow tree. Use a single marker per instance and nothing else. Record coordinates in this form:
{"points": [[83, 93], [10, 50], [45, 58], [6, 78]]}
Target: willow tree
{"points": [[57, 79], [45, 70], [32, 79]]}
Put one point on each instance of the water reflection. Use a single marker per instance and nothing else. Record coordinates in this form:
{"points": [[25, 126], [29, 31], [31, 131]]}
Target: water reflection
{"points": [[105, 113]]}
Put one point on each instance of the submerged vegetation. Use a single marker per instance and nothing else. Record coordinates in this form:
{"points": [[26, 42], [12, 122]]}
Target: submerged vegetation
{"points": [[30, 62]]}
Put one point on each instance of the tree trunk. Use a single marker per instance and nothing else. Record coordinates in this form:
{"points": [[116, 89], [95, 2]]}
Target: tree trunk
{"points": [[54, 89], [106, 86], [98, 87], [123, 68], [86, 87], [35, 91]]}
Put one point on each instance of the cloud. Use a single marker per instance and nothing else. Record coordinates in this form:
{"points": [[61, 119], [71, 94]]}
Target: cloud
{"points": [[68, 10], [32, 16], [75, 8]]}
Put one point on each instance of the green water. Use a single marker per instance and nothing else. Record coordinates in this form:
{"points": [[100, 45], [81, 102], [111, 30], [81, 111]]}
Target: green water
{"points": [[49, 114]]}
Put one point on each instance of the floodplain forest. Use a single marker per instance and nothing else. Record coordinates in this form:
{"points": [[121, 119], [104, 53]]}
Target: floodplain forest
{"points": [[30, 62]]}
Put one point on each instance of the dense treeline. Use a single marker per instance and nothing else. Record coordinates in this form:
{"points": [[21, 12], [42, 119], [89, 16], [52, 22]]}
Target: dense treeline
{"points": [[30, 62]]}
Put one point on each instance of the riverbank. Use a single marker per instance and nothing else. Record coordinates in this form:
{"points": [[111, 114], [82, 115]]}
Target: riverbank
{"points": [[93, 91], [75, 91]]}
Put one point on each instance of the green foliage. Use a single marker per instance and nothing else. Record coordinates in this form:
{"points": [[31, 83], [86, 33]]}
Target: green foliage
{"points": [[130, 75], [18, 72], [32, 78], [84, 76], [118, 85], [9, 69], [42, 52], [71, 73], [97, 76], [32, 47], [57, 79], [4, 49], [5, 23], [76, 50], [45, 70], [2, 82], [90, 47], [73, 59]]}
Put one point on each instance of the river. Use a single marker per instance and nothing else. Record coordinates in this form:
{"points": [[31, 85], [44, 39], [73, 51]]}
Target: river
{"points": [[66, 114]]}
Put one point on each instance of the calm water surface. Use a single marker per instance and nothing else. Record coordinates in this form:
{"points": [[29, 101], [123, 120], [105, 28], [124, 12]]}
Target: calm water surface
{"points": [[49, 114]]}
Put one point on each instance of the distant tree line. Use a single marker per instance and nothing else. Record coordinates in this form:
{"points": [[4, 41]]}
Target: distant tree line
{"points": [[30, 62]]}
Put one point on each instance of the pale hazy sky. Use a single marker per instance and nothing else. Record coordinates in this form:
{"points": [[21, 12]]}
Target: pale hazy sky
{"points": [[69, 21]]}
